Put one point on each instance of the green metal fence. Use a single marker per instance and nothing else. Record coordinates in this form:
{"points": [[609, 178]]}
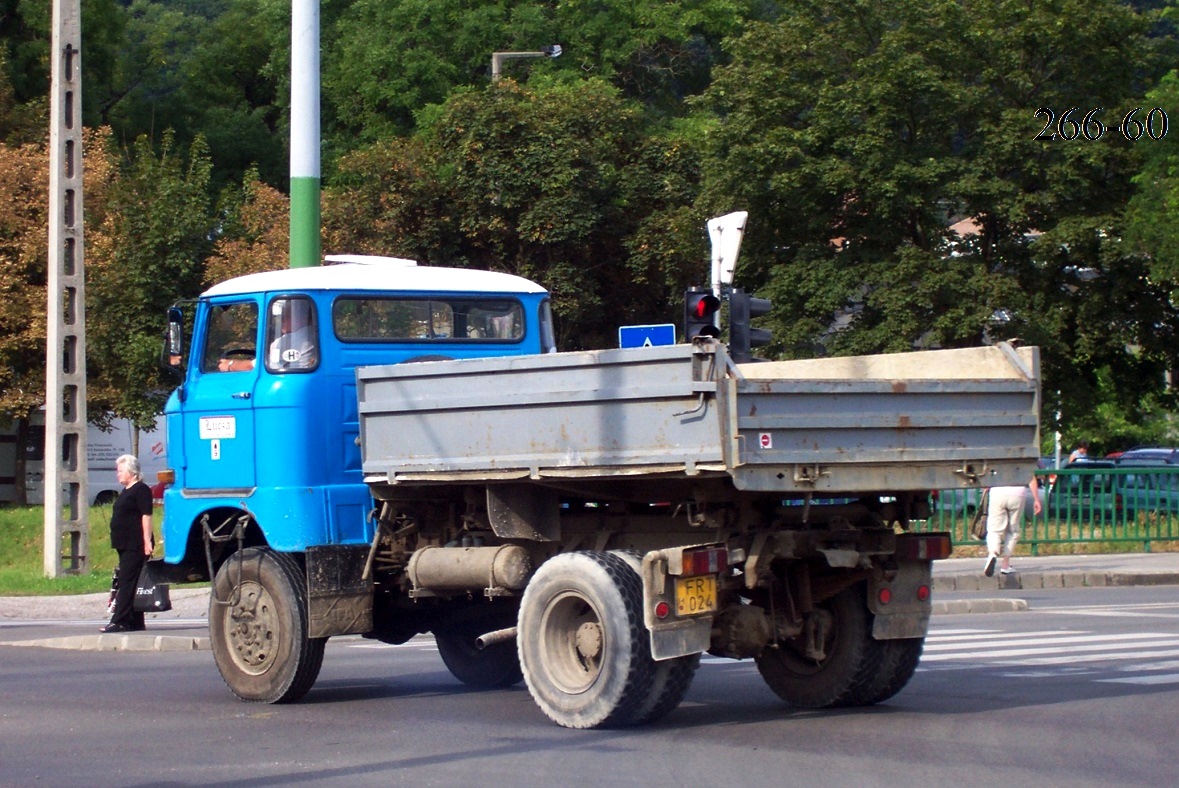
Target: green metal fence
{"points": [[1136, 505]]}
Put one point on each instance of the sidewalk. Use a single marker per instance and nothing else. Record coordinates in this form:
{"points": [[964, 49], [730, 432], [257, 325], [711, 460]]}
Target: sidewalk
{"points": [[1060, 571], [72, 622]]}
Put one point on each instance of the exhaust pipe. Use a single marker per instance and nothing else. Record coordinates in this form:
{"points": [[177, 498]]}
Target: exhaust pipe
{"points": [[498, 636]]}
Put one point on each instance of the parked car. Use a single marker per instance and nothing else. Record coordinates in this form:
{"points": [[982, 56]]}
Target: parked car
{"points": [[1152, 483], [1085, 491], [1151, 456]]}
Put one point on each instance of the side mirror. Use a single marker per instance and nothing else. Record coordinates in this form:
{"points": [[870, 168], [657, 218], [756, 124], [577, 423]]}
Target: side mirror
{"points": [[174, 344]]}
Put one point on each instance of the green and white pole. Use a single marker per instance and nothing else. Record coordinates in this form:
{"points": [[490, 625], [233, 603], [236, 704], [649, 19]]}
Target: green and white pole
{"points": [[305, 243]]}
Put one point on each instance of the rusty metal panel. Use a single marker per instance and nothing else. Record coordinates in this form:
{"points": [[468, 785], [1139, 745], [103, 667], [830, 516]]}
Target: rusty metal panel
{"points": [[623, 409], [339, 598], [912, 421], [522, 511]]}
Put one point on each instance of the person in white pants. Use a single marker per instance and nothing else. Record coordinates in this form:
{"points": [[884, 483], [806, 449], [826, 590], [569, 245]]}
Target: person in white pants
{"points": [[1004, 512]]}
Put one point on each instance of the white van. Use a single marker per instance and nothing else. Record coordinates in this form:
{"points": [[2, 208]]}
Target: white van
{"points": [[102, 449]]}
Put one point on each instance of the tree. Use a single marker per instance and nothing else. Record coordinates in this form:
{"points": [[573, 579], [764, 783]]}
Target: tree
{"points": [[23, 240], [255, 235], [148, 253], [559, 183], [25, 30], [1153, 214], [234, 88], [858, 134], [20, 123], [385, 61]]}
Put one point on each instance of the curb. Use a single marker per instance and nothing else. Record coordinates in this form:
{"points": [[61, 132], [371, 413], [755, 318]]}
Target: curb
{"points": [[119, 643], [1023, 580], [961, 606]]}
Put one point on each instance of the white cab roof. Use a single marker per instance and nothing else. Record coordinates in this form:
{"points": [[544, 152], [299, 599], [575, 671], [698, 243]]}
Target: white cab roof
{"points": [[376, 274]]}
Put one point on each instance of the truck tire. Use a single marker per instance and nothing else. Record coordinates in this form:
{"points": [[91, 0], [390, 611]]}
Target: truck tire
{"points": [[898, 663], [260, 643], [496, 666], [583, 647], [672, 677], [851, 662]]}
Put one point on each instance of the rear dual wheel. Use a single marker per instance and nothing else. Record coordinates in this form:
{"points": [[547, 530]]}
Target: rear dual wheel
{"points": [[855, 669], [584, 649]]}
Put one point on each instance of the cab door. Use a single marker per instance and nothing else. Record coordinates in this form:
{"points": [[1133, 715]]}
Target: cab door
{"points": [[219, 403]]}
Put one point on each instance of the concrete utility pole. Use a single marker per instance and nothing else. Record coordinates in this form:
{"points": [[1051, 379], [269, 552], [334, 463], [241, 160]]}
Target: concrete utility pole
{"points": [[305, 176], [67, 532]]}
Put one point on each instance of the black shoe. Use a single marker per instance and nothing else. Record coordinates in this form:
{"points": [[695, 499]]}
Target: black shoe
{"points": [[136, 627], [111, 629], [989, 568]]}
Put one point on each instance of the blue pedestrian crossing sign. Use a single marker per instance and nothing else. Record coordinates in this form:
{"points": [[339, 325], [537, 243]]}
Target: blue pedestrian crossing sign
{"points": [[646, 336]]}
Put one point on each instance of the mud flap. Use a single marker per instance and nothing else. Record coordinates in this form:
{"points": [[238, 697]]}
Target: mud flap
{"points": [[339, 600], [674, 636], [680, 639], [906, 613]]}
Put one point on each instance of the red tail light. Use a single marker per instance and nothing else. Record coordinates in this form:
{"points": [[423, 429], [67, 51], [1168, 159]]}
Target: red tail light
{"points": [[924, 547], [705, 561]]}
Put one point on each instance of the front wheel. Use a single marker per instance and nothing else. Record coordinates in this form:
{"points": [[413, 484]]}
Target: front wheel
{"points": [[584, 649], [260, 641]]}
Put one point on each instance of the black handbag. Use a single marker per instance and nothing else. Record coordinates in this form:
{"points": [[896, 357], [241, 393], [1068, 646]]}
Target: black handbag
{"points": [[151, 593]]}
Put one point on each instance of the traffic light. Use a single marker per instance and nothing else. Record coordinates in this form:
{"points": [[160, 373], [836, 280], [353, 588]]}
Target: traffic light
{"points": [[742, 336], [700, 308]]}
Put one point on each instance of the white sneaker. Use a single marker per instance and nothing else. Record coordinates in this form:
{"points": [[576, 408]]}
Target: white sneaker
{"points": [[989, 566]]}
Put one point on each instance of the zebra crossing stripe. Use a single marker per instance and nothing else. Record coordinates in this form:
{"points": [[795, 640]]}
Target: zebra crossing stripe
{"points": [[1163, 678], [942, 643], [1071, 659], [1075, 648]]}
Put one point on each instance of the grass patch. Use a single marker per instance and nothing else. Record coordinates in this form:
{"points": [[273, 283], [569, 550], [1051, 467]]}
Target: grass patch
{"points": [[22, 554]]}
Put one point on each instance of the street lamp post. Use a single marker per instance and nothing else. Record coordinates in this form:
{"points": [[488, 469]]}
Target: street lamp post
{"points": [[498, 58]]}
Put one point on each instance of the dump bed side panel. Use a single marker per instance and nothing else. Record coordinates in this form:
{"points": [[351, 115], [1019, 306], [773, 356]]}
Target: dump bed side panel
{"points": [[591, 413], [906, 422], [933, 419]]}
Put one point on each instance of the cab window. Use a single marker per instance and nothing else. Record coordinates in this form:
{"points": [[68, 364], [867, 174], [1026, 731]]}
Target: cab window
{"points": [[231, 338], [548, 338], [292, 335], [428, 320]]}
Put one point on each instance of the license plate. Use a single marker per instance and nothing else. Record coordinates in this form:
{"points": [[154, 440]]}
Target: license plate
{"points": [[695, 595]]}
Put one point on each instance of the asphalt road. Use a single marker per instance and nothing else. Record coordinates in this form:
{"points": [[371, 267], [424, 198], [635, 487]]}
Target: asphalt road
{"points": [[1081, 690]]}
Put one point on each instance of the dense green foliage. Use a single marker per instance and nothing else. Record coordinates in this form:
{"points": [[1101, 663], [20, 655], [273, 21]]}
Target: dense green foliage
{"points": [[900, 119], [886, 150]]}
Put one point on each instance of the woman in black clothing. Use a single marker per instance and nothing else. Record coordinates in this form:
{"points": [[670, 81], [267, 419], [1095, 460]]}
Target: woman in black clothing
{"points": [[131, 536]]}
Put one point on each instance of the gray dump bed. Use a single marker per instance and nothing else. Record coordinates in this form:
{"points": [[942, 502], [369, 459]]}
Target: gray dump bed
{"points": [[912, 421]]}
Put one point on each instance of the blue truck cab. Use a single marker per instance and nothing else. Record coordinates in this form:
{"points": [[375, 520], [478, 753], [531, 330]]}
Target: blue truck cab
{"points": [[263, 430]]}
